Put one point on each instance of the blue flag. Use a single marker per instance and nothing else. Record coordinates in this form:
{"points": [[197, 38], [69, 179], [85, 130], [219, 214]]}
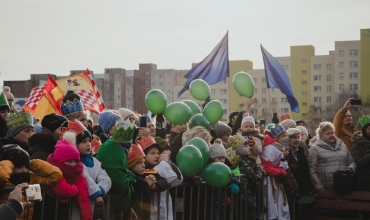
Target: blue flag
{"points": [[276, 77], [213, 69]]}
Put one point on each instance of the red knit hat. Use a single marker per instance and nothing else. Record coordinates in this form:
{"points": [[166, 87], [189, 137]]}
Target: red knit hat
{"points": [[65, 151], [135, 155], [147, 142]]}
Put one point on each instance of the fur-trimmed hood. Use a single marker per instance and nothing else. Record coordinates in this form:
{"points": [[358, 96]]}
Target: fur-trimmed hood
{"points": [[357, 138]]}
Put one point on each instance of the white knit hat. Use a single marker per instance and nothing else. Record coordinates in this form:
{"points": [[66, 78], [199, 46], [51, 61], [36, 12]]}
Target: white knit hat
{"points": [[293, 131], [303, 129], [217, 150], [287, 123], [124, 112], [247, 118]]}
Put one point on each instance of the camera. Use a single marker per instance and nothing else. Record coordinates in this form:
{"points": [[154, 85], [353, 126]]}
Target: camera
{"points": [[33, 193]]}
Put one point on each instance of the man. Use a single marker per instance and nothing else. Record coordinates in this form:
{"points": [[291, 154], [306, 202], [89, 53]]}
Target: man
{"points": [[14, 206], [344, 129]]}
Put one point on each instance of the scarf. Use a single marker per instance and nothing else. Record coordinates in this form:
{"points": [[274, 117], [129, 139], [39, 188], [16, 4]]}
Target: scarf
{"points": [[87, 160], [71, 173], [279, 146], [330, 144]]}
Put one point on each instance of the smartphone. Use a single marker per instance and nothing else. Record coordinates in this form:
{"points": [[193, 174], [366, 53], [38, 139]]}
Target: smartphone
{"points": [[356, 102], [263, 122], [143, 121]]}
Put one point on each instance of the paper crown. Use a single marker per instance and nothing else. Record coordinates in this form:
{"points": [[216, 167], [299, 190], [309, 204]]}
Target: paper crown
{"points": [[275, 130], [363, 121], [71, 103], [235, 141], [74, 126], [95, 145], [285, 116], [19, 119], [146, 142], [135, 152], [124, 131], [3, 100]]}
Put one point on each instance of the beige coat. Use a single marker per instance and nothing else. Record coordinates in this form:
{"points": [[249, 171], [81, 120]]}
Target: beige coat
{"points": [[324, 160]]}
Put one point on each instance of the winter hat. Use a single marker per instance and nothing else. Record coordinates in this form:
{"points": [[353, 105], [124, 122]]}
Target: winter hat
{"points": [[71, 103], [17, 122], [37, 128], [107, 119], [65, 149], [8, 94], [53, 121], [235, 141], [135, 155], [15, 154], [232, 157], [163, 143], [78, 129], [247, 118], [217, 149], [232, 115], [299, 122], [287, 123], [4, 105], [276, 130], [303, 129], [293, 131], [220, 129], [363, 124], [124, 112]]}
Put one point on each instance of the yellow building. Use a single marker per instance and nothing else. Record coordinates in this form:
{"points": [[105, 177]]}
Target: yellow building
{"points": [[365, 62]]}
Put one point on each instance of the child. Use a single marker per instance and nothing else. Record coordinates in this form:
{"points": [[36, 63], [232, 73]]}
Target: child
{"points": [[219, 200], [98, 180], [73, 183], [16, 168], [253, 173], [168, 176], [136, 163], [254, 138], [271, 158], [113, 155]]}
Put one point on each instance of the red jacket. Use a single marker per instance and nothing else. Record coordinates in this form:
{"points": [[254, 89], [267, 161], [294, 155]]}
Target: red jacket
{"points": [[69, 187], [270, 170]]}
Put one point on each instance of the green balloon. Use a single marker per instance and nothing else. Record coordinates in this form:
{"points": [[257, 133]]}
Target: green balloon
{"points": [[199, 120], [244, 84], [189, 160], [177, 113], [213, 111], [217, 174], [202, 146], [195, 109], [156, 101], [200, 90]]}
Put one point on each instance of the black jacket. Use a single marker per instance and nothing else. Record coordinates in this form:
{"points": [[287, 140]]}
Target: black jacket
{"points": [[10, 210], [361, 154], [8, 140], [3, 128]]}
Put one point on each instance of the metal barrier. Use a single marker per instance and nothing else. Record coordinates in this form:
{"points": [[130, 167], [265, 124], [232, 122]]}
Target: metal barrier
{"points": [[195, 200]]}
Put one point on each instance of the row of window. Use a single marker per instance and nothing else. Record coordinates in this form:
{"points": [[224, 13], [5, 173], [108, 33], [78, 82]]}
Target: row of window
{"points": [[352, 64], [352, 53], [266, 111], [353, 75], [161, 84]]}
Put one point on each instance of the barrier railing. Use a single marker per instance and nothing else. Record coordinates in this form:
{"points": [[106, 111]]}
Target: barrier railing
{"points": [[189, 201]]}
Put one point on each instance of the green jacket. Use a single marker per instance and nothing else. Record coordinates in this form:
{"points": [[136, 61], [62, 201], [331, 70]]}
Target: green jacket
{"points": [[361, 154], [114, 161]]}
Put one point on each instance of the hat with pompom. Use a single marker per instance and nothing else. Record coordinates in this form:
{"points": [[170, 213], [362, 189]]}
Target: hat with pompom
{"points": [[217, 149], [66, 148]]}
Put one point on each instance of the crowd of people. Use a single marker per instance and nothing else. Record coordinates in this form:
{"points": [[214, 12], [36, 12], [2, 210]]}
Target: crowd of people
{"points": [[81, 161]]}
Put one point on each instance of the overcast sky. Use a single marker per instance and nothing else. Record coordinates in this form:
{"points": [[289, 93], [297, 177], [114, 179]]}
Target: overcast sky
{"points": [[58, 36]]}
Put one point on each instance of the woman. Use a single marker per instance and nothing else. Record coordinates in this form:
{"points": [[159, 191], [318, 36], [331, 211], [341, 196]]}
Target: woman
{"points": [[328, 155], [361, 154]]}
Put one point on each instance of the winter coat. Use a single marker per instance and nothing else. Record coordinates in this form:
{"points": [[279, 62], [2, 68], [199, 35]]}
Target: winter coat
{"points": [[171, 137], [174, 178], [251, 170], [114, 160], [42, 144], [299, 167], [3, 128], [41, 173], [324, 161], [343, 132], [68, 187], [289, 183], [361, 154], [10, 210], [8, 140], [271, 157], [141, 189], [98, 182], [175, 145]]}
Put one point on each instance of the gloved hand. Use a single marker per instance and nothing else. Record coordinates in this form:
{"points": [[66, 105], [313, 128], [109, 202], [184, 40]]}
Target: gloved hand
{"points": [[234, 188], [284, 165], [99, 210]]}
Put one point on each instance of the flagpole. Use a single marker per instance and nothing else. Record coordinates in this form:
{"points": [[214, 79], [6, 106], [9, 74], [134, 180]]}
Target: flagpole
{"points": [[229, 92], [268, 90]]}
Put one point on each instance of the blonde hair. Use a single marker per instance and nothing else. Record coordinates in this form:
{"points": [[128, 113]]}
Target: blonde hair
{"points": [[323, 127], [197, 131]]}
